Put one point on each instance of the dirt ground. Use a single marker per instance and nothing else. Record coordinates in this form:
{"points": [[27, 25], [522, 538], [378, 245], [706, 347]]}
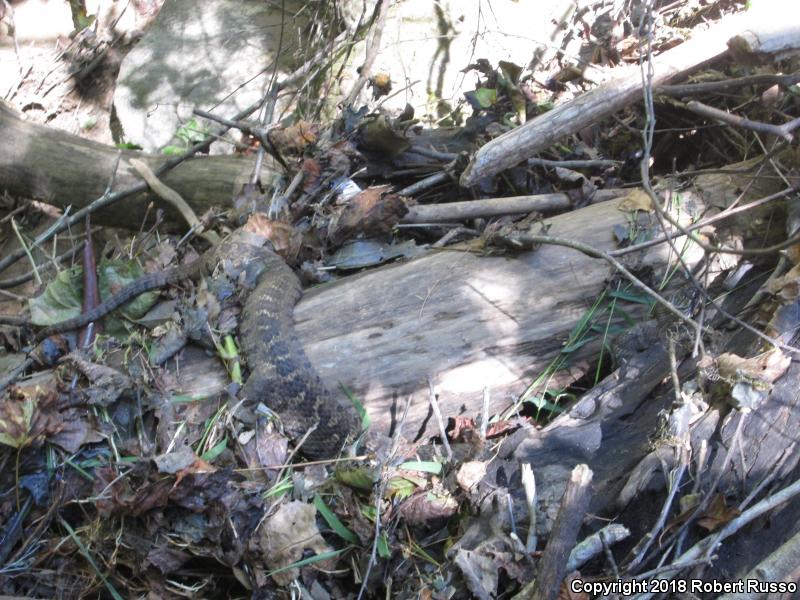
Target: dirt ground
{"points": [[64, 81]]}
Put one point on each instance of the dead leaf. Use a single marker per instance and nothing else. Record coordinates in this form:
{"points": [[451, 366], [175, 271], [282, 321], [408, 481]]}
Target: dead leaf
{"points": [[175, 461], [424, 507], [470, 474], [718, 513], [637, 199], [378, 135], [286, 534], [16, 419], [505, 427], [76, 429], [565, 591], [295, 138], [381, 84], [766, 367], [167, 560], [311, 171], [283, 237], [373, 211], [107, 384], [464, 429], [480, 573]]}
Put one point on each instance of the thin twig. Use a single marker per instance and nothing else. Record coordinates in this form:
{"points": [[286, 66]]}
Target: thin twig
{"points": [[529, 486], [487, 395], [784, 131], [50, 264], [380, 489], [711, 87], [425, 184], [704, 549], [27, 251], [439, 421], [373, 47], [175, 200], [710, 220], [574, 164]]}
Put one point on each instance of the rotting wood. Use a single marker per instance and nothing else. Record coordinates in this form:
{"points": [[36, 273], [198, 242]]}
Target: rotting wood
{"points": [[553, 566]]}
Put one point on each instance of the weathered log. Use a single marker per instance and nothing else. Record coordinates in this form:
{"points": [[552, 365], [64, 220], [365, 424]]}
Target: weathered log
{"points": [[465, 321], [624, 87], [62, 169]]}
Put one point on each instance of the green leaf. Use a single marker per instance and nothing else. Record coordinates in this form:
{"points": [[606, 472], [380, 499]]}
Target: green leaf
{"points": [[486, 97], [510, 71], [172, 150], [631, 297], [190, 132], [63, 297], [577, 345], [279, 488], [403, 487], [210, 455], [362, 412], [87, 555], [116, 274], [543, 404], [128, 146], [15, 422], [383, 546], [333, 521], [309, 561], [427, 466], [360, 478]]}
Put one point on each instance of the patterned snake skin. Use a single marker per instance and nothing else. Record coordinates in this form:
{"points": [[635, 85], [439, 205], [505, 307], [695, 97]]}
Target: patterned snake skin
{"points": [[281, 375]]}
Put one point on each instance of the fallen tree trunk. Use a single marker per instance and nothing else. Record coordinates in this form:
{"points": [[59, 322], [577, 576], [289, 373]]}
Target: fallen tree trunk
{"points": [[465, 321], [623, 88], [63, 169]]}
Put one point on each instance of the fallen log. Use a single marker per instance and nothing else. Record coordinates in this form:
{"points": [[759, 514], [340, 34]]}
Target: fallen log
{"points": [[62, 169], [624, 87], [465, 321]]}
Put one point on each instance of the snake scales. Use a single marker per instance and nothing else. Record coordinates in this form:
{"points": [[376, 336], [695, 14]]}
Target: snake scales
{"points": [[281, 375]]}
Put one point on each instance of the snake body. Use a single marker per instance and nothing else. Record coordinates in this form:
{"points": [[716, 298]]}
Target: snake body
{"points": [[281, 376]]}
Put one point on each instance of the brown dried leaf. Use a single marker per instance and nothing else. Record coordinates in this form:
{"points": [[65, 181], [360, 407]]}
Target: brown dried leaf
{"points": [[767, 366], [286, 534], [295, 138], [424, 507], [371, 212], [470, 474], [283, 237], [637, 199], [311, 172], [464, 428], [718, 513], [107, 384], [175, 461], [565, 591]]}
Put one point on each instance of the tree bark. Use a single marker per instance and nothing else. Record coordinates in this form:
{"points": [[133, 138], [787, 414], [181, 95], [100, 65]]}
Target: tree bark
{"points": [[59, 168]]}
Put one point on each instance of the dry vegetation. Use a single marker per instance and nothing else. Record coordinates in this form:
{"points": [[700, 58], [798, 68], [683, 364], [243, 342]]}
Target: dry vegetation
{"points": [[625, 409]]}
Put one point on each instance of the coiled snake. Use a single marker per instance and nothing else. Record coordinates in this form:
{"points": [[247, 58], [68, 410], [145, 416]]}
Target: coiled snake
{"points": [[281, 376]]}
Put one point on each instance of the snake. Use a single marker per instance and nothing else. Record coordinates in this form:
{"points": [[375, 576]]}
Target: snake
{"points": [[281, 375]]}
